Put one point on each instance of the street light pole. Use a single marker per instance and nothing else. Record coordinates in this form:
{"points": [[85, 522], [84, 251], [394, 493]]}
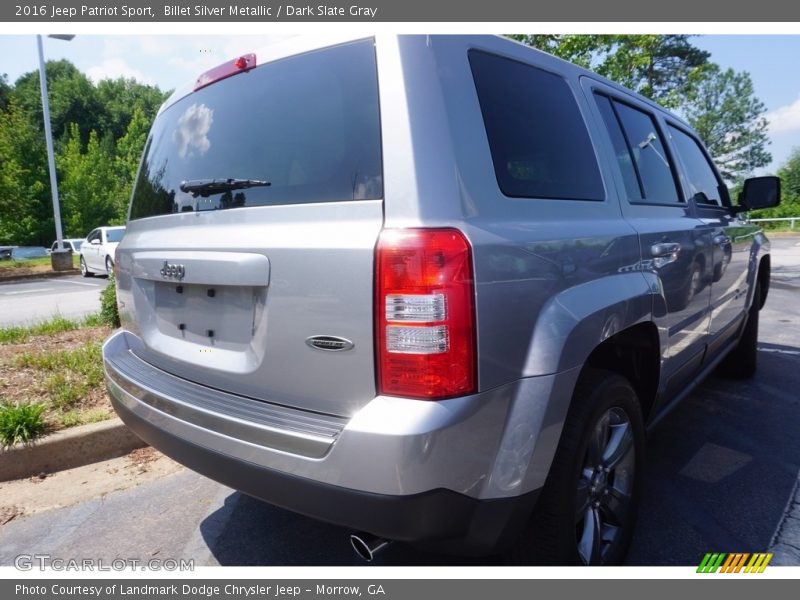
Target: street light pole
{"points": [[60, 260]]}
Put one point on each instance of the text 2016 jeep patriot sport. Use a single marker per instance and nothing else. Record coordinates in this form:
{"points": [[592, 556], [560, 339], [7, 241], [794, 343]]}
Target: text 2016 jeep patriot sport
{"points": [[428, 288]]}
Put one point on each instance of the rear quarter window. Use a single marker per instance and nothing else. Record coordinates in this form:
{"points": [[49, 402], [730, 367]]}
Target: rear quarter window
{"points": [[537, 136]]}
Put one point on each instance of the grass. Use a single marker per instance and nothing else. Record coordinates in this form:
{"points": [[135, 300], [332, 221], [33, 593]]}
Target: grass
{"points": [[70, 372], [54, 325], [74, 418], [57, 367], [29, 262], [20, 423], [44, 261]]}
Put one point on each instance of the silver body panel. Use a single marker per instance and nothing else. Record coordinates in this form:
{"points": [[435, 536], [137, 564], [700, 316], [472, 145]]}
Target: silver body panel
{"points": [[553, 279], [392, 446]]}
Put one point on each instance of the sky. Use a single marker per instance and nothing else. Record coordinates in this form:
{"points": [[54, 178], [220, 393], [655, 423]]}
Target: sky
{"points": [[171, 61]]}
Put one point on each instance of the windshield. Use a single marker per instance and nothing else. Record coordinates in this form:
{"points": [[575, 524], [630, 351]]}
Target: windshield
{"points": [[115, 235], [307, 127]]}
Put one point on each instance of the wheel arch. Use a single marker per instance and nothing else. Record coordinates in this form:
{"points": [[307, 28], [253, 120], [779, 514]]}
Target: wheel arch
{"points": [[635, 354]]}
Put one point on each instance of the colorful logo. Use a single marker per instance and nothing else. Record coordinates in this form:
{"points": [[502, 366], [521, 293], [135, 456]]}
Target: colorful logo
{"points": [[734, 563]]}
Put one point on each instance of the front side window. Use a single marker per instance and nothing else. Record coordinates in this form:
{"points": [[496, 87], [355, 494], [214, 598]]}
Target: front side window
{"points": [[538, 139], [704, 187]]}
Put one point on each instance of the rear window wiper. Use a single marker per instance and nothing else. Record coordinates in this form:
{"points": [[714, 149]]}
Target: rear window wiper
{"points": [[207, 187]]}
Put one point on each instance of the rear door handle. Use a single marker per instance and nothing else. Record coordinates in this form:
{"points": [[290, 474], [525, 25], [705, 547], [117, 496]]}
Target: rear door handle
{"points": [[664, 249]]}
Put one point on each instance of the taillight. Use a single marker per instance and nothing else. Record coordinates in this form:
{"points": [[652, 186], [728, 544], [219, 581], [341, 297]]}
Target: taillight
{"points": [[238, 65], [424, 314]]}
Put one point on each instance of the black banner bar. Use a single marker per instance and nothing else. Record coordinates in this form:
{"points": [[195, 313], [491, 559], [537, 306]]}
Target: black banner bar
{"points": [[731, 588], [400, 10]]}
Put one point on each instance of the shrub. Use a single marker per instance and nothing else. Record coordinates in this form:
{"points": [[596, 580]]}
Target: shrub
{"points": [[20, 423], [108, 304]]}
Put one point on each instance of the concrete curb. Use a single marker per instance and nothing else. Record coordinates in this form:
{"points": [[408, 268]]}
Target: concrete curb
{"points": [[67, 449], [43, 275], [786, 541]]}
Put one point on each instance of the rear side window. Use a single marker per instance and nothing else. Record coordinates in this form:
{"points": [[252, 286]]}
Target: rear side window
{"points": [[704, 187], [539, 143], [308, 124], [115, 235]]}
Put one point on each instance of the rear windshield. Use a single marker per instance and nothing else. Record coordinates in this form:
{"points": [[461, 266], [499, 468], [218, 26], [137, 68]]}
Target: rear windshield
{"points": [[309, 125]]}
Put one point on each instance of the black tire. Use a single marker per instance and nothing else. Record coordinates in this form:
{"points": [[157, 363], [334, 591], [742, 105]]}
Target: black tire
{"points": [[742, 362], [85, 270], [557, 531], [109, 266]]}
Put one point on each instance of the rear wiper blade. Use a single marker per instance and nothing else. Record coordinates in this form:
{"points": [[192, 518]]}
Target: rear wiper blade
{"points": [[207, 187]]}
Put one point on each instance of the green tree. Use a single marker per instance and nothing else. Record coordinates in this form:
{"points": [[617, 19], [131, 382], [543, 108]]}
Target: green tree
{"points": [[26, 216], [120, 98], [657, 66], [88, 183], [99, 132], [790, 174], [583, 50], [5, 91], [128, 155], [729, 118], [72, 97]]}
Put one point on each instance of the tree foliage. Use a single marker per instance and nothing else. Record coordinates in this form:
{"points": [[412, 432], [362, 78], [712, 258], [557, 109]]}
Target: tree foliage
{"points": [[5, 91], [89, 184], [72, 99], [789, 173], [657, 66], [720, 104], [99, 133], [723, 109], [23, 180]]}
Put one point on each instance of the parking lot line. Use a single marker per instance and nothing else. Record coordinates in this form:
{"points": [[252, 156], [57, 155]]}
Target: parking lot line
{"points": [[73, 282], [33, 291], [776, 350]]}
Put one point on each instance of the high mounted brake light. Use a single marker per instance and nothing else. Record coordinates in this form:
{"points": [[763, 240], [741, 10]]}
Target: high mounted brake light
{"points": [[424, 314], [225, 70]]}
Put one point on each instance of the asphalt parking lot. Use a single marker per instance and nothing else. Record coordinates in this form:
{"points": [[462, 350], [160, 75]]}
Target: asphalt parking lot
{"points": [[29, 300], [721, 470]]}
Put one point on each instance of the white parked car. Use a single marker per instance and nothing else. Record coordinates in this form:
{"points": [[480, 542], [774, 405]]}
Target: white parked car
{"points": [[97, 252], [71, 244]]}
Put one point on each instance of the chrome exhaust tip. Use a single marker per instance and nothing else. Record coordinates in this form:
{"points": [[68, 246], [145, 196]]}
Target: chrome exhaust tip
{"points": [[367, 545]]}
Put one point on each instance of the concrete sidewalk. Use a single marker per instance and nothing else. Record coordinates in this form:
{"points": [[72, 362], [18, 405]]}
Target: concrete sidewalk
{"points": [[786, 541]]}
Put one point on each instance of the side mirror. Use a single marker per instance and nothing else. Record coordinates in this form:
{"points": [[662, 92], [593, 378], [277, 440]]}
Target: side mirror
{"points": [[760, 192], [95, 241]]}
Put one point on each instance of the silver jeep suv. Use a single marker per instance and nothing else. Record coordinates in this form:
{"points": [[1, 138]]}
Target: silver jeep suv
{"points": [[433, 289]]}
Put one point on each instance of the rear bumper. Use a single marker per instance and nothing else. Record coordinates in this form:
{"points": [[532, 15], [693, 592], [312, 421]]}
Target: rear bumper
{"points": [[460, 475], [440, 518]]}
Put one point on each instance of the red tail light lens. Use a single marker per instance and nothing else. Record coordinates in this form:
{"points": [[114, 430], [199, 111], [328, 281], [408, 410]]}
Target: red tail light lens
{"points": [[424, 313]]}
